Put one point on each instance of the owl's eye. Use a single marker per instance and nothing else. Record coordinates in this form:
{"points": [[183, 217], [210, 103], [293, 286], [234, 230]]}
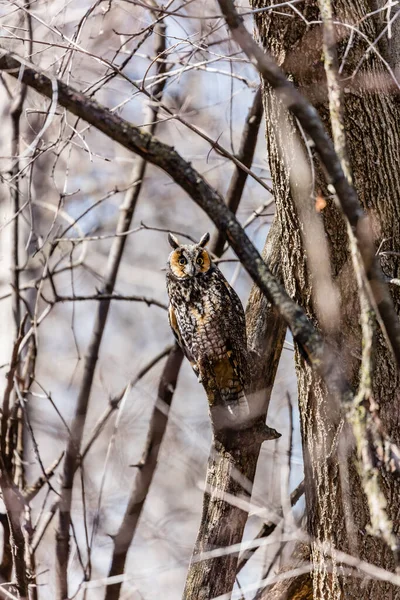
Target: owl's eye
{"points": [[182, 260], [200, 261]]}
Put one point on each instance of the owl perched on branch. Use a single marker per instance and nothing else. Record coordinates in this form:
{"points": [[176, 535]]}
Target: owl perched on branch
{"points": [[207, 319]]}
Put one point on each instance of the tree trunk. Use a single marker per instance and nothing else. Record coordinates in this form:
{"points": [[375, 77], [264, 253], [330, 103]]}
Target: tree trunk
{"points": [[372, 120], [233, 458]]}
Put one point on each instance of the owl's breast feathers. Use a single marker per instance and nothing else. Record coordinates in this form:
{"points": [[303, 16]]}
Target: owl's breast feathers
{"points": [[208, 320]]}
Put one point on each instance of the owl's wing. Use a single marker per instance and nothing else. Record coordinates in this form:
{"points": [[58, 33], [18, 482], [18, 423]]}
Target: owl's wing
{"points": [[236, 400], [174, 325], [175, 330], [236, 347], [236, 339]]}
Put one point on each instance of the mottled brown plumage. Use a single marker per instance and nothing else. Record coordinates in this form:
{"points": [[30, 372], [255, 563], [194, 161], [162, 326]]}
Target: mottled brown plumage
{"points": [[207, 319]]}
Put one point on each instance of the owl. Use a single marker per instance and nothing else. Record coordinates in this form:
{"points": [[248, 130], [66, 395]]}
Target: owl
{"points": [[207, 319]]}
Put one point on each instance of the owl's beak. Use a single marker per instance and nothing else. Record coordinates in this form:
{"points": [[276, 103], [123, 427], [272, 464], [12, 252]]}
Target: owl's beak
{"points": [[193, 271]]}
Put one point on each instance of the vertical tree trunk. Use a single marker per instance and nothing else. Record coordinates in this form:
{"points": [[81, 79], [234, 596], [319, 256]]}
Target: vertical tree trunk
{"points": [[372, 116]]}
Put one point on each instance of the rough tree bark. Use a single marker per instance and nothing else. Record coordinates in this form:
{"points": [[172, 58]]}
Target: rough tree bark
{"points": [[372, 120], [233, 459]]}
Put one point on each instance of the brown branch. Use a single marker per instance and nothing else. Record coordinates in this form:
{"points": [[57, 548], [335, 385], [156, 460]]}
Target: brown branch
{"points": [[45, 525], [14, 504], [15, 114], [7, 393], [13, 548], [347, 196], [101, 297], [7, 595], [6, 565], [8, 453], [245, 155], [34, 489], [144, 477]]}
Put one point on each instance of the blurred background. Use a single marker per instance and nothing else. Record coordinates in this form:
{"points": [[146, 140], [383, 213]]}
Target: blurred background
{"points": [[72, 182]]}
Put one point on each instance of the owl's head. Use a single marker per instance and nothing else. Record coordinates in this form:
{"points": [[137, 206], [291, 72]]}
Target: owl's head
{"points": [[189, 260]]}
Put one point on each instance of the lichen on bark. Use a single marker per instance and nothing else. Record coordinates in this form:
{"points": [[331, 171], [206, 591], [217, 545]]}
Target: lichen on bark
{"points": [[372, 121]]}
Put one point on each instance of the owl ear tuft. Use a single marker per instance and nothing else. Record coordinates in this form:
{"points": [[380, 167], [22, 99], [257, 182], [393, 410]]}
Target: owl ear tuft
{"points": [[204, 240], [173, 241]]}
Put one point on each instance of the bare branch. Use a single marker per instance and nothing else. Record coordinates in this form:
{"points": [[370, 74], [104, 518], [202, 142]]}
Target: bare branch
{"points": [[144, 477], [245, 155], [33, 490], [14, 504], [269, 528], [7, 393], [109, 297]]}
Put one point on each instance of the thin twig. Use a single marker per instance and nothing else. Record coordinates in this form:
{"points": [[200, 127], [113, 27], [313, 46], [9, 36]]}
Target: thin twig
{"points": [[268, 528], [109, 297], [34, 489]]}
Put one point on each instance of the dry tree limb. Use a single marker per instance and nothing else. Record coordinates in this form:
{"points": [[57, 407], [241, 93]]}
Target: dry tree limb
{"points": [[15, 505], [15, 114], [16, 430], [5, 414], [245, 155], [144, 476], [13, 460], [100, 297], [34, 489], [14, 547], [6, 561], [8, 452], [7, 595]]}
